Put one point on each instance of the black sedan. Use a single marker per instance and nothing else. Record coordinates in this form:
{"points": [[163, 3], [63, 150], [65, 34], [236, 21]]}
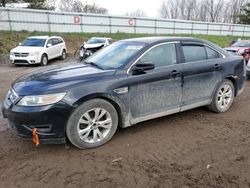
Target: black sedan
{"points": [[128, 82]]}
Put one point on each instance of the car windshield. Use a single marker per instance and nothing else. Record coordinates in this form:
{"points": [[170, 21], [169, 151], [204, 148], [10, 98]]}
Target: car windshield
{"points": [[115, 55], [33, 42], [96, 41], [241, 44]]}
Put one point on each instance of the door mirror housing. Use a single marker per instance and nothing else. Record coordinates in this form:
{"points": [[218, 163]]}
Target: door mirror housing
{"points": [[140, 68], [49, 45], [19, 44]]}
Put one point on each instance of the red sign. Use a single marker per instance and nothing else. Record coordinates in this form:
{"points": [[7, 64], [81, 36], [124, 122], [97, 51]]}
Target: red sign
{"points": [[131, 22], [77, 19]]}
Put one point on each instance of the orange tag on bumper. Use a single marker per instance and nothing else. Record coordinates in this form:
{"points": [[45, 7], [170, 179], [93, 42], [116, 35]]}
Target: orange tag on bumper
{"points": [[35, 137]]}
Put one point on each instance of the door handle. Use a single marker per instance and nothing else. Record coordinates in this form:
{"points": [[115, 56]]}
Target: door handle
{"points": [[175, 73], [217, 67]]}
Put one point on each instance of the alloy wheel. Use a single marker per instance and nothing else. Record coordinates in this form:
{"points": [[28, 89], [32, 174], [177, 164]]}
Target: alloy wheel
{"points": [[94, 125], [225, 96]]}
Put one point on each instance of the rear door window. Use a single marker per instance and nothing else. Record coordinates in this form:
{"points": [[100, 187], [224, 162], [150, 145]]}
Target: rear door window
{"points": [[194, 52]]}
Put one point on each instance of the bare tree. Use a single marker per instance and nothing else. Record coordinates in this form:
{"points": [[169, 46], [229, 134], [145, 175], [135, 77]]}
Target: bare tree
{"points": [[137, 13], [4, 2], [78, 6], [163, 10]]}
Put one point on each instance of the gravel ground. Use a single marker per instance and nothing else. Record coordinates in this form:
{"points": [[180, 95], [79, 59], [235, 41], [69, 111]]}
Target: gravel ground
{"points": [[196, 148]]}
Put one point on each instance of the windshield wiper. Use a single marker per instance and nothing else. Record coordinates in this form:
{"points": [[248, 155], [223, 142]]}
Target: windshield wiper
{"points": [[94, 64]]}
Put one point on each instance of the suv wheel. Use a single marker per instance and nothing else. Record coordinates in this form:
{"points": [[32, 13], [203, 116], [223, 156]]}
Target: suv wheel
{"points": [[223, 97], [44, 60], [63, 56], [92, 124]]}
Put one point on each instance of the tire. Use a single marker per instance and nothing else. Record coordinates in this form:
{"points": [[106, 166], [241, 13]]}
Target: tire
{"points": [[64, 55], [223, 97], [87, 122], [44, 60]]}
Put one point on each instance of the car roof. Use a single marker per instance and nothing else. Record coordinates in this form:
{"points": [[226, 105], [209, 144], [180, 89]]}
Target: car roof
{"points": [[44, 37], [39, 37], [243, 41], [150, 40], [100, 38]]}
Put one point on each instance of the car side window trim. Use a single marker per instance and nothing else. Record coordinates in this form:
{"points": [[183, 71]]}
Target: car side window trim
{"points": [[138, 59]]}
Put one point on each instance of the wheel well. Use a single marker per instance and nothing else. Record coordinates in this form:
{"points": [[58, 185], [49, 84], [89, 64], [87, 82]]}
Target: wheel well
{"points": [[45, 54], [114, 103], [232, 79]]}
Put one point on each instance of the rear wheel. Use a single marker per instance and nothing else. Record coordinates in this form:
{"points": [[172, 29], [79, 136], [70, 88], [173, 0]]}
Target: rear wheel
{"points": [[44, 60], [223, 97], [92, 124]]}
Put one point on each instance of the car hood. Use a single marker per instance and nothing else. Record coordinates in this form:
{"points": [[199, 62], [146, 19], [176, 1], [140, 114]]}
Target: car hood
{"points": [[26, 49], [235, 48], [93, 45], [58, 79]]}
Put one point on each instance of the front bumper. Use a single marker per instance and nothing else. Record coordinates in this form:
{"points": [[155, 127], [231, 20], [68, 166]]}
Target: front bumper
{"points": [[49, 120], [25, 60]]}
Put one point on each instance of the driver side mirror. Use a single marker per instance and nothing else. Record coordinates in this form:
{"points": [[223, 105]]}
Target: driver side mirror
{"points": [[140, 68], [20, 44], [49, 45]]}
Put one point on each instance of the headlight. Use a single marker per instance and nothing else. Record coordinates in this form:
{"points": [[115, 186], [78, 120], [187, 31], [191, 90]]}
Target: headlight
{"points": [[33, 53], [11, 53], [40, 100]]}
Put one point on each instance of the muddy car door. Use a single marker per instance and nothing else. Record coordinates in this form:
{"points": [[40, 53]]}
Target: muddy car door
{"points": [[202, 73], [157, 92]]}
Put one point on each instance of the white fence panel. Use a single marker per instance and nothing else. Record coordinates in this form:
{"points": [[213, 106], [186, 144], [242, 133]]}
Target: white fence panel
{"points": [[51, 21]]}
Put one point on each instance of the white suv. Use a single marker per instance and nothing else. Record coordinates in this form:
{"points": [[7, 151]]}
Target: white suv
{"points": [[40, 49]]}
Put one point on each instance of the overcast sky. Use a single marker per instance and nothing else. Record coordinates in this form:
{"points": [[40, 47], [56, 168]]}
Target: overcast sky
{"points": [[121, 7]]}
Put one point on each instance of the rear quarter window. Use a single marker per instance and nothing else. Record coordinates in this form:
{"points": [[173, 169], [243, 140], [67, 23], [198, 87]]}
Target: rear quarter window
{"points": [[212, 54]]}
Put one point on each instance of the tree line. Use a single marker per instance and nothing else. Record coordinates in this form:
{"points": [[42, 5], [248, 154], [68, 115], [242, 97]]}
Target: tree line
{"points": [[226, 11]]}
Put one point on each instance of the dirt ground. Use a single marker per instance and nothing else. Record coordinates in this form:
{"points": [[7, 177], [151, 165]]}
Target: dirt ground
{"points": [[196, 148]]}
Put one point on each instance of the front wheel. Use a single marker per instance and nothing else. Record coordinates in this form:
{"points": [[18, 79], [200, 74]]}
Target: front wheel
{"points": [[92, 124], [44, 60], [223, 97]]}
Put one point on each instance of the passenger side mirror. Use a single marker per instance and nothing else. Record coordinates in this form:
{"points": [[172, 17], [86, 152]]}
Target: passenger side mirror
{"points": [[140, 68], [49, 45], [19, 43]]}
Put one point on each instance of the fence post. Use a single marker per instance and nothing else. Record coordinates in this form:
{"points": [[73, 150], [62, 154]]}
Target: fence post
{"points": [[207, 28], [192, 29], [110, 27], [220, 29], [155, 26], [135, 26], [8, 13], [174, 27], [48, 19], [244, 29], [81, 16]]}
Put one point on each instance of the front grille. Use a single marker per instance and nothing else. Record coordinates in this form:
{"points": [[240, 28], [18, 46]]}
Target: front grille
{"points": [[21, 54], [21, 62]]}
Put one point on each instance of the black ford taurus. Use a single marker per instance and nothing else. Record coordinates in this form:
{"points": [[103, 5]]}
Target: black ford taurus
{"points": [[128, 82]]}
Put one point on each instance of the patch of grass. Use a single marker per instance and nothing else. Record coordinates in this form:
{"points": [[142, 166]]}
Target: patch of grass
{"points": [[9, 40]]}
